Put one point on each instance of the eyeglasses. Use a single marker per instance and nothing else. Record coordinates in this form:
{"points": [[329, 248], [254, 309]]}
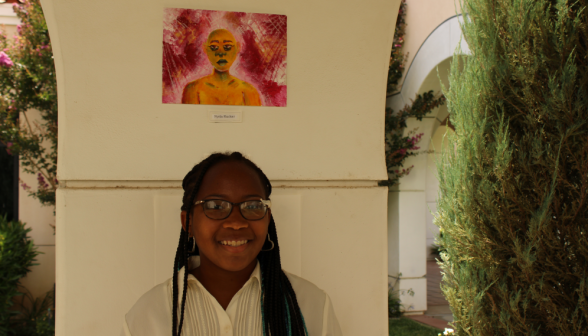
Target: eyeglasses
{"points": [[220, 209]]}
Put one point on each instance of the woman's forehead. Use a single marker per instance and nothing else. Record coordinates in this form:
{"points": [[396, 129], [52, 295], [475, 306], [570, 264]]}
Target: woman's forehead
{"points": [[231, 177]]}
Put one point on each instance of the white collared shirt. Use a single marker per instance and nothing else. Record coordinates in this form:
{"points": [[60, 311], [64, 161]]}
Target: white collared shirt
{"points": [[152, 314]]}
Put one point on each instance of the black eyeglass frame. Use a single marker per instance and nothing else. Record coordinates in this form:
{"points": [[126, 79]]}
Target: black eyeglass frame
{"points": [[266, 203]]}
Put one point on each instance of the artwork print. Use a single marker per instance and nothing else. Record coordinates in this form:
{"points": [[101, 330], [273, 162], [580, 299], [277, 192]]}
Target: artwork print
{"points": [[223, 58]]}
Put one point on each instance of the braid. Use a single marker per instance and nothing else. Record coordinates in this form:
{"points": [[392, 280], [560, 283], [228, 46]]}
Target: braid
{"points": [[192, 181], [175, 284], [186, 255], [281, 315], [280, 308]]}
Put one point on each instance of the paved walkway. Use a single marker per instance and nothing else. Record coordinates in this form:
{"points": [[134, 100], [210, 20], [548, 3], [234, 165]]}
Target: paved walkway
{"points": [[438, 314], [434, 295]]}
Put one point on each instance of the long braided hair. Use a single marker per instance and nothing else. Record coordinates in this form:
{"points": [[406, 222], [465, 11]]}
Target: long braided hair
{"points": [[281, 315]]}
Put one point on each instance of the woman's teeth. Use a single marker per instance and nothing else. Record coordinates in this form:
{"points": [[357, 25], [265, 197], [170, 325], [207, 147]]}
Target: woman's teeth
{"points": [[233, 242]]}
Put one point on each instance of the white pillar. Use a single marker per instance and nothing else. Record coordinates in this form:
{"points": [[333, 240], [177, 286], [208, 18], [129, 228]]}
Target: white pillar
{"points": [[123, 154], [407, 225]]}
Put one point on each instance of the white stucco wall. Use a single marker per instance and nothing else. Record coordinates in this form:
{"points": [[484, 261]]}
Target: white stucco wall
{"points": [[41, 220], [423, 17], [122, 154]]}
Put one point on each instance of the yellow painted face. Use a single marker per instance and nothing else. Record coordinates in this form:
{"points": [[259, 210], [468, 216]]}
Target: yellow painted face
{"points": [[221, 49]]}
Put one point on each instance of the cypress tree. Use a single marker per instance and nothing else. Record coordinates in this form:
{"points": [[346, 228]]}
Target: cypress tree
{"points": [[513, 199]]}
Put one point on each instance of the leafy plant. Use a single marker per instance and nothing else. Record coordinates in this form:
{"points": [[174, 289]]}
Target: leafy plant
{"points": [[395, 306], [27, 82], [513, 181], [397, 58], [399, 147], [36, 317], [436, 248], [17, 255]]}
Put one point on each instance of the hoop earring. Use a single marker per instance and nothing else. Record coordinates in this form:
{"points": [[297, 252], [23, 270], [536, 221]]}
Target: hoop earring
{"points": [[194, 246], [268, 238]]}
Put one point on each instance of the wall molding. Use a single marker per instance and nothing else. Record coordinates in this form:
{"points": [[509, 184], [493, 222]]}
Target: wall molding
{"points": [[7, 15], [177, 184]]}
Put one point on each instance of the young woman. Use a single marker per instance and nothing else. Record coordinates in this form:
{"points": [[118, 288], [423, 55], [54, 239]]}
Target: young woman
{"points": [[234, 284]]}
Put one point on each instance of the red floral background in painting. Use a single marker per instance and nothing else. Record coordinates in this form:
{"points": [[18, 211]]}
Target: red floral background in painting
{"points": [[261, 61]]}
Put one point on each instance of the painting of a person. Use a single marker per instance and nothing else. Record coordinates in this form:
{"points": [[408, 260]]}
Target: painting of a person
{"points": [[220, 87]]}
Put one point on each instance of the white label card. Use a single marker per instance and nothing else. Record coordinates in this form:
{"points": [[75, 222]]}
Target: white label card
{"points": [[231, 117]]}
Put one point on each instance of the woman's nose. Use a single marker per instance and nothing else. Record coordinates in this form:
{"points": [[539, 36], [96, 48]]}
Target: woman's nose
{"points": [[235, 220]]}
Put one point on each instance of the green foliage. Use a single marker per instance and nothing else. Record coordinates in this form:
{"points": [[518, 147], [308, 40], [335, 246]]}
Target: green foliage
{"points": [[36, 317], [436, 248], [399, 147], [17, 255], [395, 306], [513, 201], [397, 58], [27, 81]]}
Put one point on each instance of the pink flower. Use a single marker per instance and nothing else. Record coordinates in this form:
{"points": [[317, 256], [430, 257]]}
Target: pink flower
{"points": [[24, 186], [41, 181], [8, 145], [5, 60]]}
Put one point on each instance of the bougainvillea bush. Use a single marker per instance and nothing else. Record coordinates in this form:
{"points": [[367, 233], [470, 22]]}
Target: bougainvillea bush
{"points": [[27, 82]]}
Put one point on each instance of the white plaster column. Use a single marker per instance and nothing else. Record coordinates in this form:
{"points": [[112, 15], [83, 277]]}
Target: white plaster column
{"points": [[123, 154], [407, 230]]}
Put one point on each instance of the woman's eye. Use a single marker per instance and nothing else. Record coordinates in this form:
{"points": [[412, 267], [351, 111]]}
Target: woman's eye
{"points": [[253, 206], [213, 205], [228, 47], [213, 47]]}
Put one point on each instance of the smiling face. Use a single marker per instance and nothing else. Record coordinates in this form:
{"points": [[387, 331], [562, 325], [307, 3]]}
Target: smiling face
{"points": [[221, 49], [235, 182]]}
